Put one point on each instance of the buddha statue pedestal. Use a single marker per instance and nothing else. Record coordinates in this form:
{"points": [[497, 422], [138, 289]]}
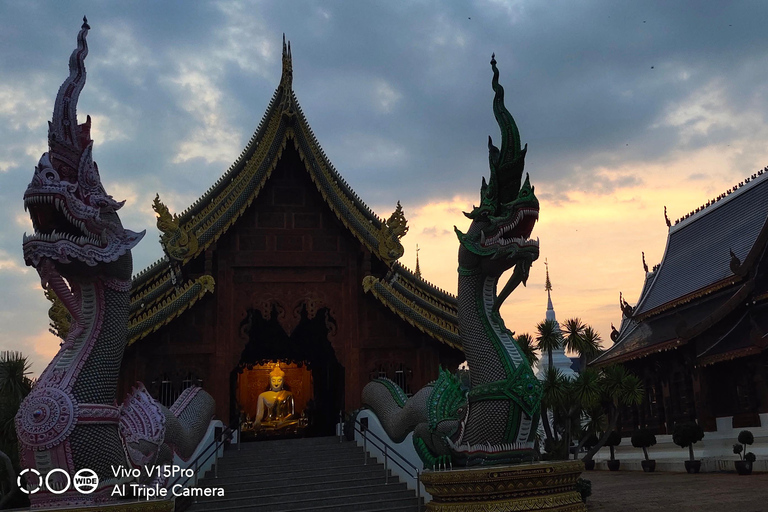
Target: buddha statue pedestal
{"points": [[549, 486]]}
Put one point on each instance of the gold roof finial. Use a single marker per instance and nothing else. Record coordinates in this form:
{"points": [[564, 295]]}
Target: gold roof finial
{"points": [[418, 269], [287, 78], [547, 283]]}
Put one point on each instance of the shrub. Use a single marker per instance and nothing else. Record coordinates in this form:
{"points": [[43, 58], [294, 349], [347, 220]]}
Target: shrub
{"points": [[745, 438], [643, 438], [584, 487], [687, 434], [750, 457]]}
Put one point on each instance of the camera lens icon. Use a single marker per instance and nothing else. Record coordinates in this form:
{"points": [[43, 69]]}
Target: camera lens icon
{"points": [[32, 486], [85, 481]]}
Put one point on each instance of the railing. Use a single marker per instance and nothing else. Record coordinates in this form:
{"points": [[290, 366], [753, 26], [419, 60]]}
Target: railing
{"points": [[387, 450], [218, 442]]}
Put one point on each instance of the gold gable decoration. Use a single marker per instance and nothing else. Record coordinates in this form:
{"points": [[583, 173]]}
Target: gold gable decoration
{"points": [[395, 228], [177, 243]]}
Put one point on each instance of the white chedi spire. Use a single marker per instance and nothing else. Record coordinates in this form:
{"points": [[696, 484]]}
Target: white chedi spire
{"points": [[559, 359]]}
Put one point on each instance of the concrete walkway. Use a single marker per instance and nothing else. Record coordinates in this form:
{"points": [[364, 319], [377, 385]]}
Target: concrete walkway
{"points": [[634, 491]]}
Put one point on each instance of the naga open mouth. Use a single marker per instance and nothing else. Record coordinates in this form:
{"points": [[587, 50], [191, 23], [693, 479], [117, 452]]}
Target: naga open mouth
{"points": [[53, 222], [516, 231]]}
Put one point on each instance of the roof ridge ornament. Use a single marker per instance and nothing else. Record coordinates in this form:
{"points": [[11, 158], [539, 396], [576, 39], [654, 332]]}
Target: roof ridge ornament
{"points": [[392, 230], [177, 242], [286, 79]]}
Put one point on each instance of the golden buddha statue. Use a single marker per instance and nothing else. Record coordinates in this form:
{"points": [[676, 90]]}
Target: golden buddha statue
{"points": [[275, 409]]}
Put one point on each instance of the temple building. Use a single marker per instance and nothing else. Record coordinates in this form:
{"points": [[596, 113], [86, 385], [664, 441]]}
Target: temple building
{"points": [[698, 334], [280, 263]]}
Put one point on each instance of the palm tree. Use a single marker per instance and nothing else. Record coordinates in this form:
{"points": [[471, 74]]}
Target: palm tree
{"points": [[582, 339], [549, 338], [14, 386], [619, 388], [525, 342], [582, 393], [552, 396]]}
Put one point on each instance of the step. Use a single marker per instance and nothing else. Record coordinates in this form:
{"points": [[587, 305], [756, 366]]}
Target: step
{"points": [[301, 441], [378, 502], [278, 496], [227, 468], [274, 459], [257, 475], [316, 483]]}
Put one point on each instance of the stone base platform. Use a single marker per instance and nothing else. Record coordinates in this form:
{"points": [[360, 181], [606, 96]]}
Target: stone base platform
{"points": [[549, 486]]}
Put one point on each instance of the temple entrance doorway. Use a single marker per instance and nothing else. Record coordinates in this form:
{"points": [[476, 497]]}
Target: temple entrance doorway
{"points": [[287, 385]]}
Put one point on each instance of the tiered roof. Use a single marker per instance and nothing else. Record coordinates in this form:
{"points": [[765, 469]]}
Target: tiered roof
{"points": [[418, 302], [156, 297], [708, 272]]}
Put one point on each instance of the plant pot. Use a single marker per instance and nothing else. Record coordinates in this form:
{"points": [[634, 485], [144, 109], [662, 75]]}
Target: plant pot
{"points": [[649, 466], [589, 465], [692, 466], [613, 465], [743, 467]]}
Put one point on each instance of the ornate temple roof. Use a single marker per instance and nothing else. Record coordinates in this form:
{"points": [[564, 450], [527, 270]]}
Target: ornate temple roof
{"points": [[418, 302], [707, 272], [156, 298]]}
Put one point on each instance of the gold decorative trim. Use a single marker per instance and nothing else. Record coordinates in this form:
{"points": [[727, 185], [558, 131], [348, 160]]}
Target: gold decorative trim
{"points": [[134, 506], [546, 486], [169, 308], [177, 243], [371, 285]]}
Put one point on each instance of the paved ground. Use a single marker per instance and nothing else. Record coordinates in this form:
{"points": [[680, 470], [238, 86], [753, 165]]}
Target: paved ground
{"points": [[635, 491]]}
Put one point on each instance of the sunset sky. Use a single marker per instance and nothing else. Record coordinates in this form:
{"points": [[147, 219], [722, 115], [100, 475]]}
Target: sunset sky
{"points": [[626, 107]]}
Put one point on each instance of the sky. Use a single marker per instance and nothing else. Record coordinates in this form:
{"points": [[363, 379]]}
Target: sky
{"points": [[626, 107]]}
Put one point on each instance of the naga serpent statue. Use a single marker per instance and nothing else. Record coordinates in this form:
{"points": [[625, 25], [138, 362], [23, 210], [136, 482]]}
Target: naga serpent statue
{"points": [[495, 420], [71, 421]]}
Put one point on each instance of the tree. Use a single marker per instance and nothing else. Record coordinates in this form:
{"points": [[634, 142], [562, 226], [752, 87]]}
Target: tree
{"points": [[14, 386], [525, 342], [551, 396], [685, 435], [548, 339], [582, 339], [619, 388]]}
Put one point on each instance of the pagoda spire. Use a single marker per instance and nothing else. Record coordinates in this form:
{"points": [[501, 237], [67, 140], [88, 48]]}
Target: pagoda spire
{"points": [[548, 287], [418, 269]]}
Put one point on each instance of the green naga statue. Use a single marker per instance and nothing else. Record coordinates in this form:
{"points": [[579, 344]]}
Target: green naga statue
{"points": [[495, 420]]}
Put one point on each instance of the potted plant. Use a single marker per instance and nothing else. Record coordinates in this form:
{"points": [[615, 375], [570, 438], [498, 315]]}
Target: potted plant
{"points": [[614, 439], [744, 464], [686, 435], [644, 438]]}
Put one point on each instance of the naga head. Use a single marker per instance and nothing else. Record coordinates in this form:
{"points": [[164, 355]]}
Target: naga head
{"points": [[498, 237], [75, 221]]}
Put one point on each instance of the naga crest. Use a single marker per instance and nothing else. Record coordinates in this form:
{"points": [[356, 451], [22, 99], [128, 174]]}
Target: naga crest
{"points": [[72, 215], [498, 237]]}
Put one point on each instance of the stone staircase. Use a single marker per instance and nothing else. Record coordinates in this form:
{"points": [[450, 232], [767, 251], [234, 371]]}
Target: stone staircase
{"points": [[301, 475]]}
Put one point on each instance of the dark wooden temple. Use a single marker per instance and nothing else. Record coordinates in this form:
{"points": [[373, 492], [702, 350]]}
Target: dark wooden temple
{"points": [[280, 261], [698, 334]]}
